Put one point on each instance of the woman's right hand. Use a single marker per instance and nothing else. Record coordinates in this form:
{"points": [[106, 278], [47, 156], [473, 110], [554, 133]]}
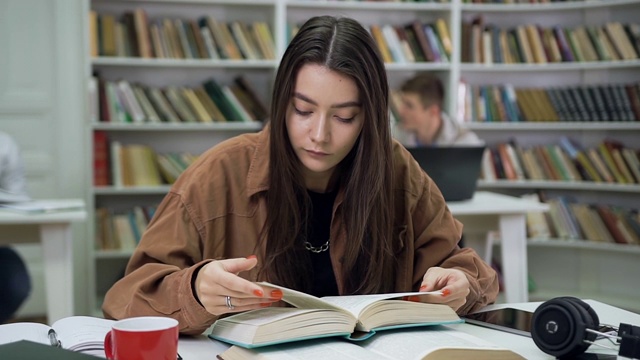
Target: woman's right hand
{"points": [[219, 279]]}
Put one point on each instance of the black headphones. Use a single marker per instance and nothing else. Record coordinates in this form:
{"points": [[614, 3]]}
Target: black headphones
{"points": [[566, 326]]}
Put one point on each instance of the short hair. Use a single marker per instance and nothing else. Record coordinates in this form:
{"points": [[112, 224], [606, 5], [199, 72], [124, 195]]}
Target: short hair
{"points": [[428, 87]]}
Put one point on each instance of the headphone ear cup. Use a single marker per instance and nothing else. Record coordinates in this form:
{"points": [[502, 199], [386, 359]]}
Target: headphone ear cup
{"points": [[559, 327], [592, 321]]}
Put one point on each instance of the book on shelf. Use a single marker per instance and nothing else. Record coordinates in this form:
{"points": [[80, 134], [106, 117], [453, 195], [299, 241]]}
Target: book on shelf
{"points": [[569, 219], [411, 42], [133, 34], [436, 43], [265, 39], [537, 225], [118, 229], [433, 343], [614, 225], [532, 44], [610, 161], [589, 103], [378, 37], [253, 101], [390, 36], [354, 317], [81, 334], [125, 102], [101, 169], [123, 165]]}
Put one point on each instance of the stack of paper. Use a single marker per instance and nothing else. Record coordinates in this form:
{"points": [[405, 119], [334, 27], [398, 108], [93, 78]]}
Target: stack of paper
{"points": [[44, 206]]}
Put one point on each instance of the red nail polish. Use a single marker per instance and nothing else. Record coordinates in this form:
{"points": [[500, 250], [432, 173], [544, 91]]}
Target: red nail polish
{"points": [[252, 257], [423, 288], [265, 304], [277, 293], [405, 298], [446, 292], [414, 298], [258, 293]]}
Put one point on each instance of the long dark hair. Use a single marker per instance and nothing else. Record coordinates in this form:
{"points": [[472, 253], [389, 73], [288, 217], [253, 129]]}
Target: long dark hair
{"points": [[344, 46]]}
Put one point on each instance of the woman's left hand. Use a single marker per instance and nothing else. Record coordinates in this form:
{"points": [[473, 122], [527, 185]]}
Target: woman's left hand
{"points": [[452, 282]]}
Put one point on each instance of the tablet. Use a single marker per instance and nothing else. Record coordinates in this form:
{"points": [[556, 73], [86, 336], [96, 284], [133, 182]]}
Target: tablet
{"points": [[511, 320]]}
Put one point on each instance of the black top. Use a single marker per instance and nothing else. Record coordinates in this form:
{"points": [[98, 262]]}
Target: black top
{"points": [[324, 280]]}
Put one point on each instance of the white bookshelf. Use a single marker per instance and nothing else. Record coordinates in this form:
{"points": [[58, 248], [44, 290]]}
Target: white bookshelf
{"points": [[104, 265], [561, 267], [603, 272]]}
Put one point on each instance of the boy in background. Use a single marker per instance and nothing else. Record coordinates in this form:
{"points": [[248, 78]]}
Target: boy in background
{"points": [[422, 117]]}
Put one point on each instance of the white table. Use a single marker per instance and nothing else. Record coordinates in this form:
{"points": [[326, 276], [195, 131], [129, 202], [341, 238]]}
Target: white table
{"points": [[490, 211], [201, 347], [54, 232]]}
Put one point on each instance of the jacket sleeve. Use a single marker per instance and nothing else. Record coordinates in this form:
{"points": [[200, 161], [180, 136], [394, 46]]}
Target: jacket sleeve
{"points": [[157, 280], [437, 234]]}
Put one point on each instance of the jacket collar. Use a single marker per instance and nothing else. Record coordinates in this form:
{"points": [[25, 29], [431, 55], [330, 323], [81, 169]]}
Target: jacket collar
{"points": [[258, 175]]}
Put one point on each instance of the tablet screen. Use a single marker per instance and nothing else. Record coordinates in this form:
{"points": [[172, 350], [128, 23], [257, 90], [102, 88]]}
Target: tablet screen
{"points": [[507, 319]]}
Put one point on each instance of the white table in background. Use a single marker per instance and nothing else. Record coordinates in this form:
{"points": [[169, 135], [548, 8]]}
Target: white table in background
{"points": [[201, 347], [491, 211], [53, 229]]}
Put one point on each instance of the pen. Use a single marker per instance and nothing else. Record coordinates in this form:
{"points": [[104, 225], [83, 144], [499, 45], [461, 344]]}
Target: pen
{"points": [[53, 339]]}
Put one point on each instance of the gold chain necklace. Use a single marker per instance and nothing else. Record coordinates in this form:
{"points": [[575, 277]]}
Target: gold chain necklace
{"points": [[318, 249]]}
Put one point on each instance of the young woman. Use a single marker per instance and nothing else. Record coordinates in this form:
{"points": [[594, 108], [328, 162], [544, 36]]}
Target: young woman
{"points": [[322, 200]]}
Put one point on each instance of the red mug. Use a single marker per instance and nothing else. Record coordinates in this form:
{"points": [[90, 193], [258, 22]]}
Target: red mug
{"points": [[142, 338]]}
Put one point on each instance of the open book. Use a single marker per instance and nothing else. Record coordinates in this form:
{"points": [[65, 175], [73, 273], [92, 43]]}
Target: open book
{"points": [[433, 343], [356, 317], [76, 333]]}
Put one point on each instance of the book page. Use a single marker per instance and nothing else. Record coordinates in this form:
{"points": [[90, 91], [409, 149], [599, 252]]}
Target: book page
{"points": [[414, 344], [24, 331], [352, 304], [83, 333], [265, 316], [302, 300], [355, 304]]}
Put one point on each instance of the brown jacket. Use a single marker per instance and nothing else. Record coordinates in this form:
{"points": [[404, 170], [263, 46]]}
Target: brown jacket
{"points": [[211, 213]]}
